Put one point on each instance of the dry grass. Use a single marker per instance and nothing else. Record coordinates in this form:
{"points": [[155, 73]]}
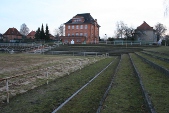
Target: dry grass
{"points": [[32, 70]]}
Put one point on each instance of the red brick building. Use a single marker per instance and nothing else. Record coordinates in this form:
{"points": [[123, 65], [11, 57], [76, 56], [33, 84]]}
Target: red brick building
{"points": [[31, 35], [81, 29], [12, 34]]}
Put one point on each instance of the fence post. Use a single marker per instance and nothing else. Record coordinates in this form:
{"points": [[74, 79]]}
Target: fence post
{"points": [[7, 90], [68, 70], [80, 65], [47, 75]]}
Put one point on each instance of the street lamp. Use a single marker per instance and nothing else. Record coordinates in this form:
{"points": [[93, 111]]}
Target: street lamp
{"points": [[106, 38], [126, 42]]}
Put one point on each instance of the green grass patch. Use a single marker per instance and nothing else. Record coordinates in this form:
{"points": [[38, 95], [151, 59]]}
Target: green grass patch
{"points": [[125, 95], [155, 83], [161, 49], [156, 54], [155, 60], [87, 101]]}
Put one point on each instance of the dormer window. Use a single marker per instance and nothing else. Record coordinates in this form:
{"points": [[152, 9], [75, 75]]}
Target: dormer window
{"points": [[74, 20]]}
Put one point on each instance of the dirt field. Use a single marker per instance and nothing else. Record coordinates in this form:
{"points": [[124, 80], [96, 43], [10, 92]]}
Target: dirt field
{"points": [[26, 72]]}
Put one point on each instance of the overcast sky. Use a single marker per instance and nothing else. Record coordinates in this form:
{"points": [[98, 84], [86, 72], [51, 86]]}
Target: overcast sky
{"points": [[13, 13]]}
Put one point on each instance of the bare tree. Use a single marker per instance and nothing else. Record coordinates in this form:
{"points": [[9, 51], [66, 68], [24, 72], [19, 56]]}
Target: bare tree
{"points": [[61, 30], [166, 7], [24, 30], [120, 29], [56, 33], [123, 31], [160, 30]]}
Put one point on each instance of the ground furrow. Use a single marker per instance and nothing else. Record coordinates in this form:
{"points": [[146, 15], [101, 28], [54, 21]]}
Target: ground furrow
{"points": [[154, 60], [87, 101], [156, 84], [125, 95]]}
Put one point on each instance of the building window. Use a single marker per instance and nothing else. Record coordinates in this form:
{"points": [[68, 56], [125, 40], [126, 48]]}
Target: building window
{"points": [[77, 27], [77, 34], [78, 40], [81, 26], [68, 27], [72, 34], [81, 34], [85, 26], [73, 27], [77, 20], [68, 34], [85, 34], [65, 41]]}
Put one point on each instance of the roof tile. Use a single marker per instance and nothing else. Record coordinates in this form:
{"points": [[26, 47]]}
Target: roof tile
{"points": [[12, 31], [144, 26]]}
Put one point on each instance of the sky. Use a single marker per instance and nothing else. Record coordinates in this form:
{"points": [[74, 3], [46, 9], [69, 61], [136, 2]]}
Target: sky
{"points": [[13, 13]]}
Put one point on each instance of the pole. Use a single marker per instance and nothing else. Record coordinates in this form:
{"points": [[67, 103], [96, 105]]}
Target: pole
{"points": [[7, 90]]}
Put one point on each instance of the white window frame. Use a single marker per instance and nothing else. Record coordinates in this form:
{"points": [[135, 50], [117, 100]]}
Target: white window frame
{"points": [[77, 26], [85, 34], [69, 27], [72, 26], [86, 26], [81, 26], [77, 34], [78, 40], [68, 34]]}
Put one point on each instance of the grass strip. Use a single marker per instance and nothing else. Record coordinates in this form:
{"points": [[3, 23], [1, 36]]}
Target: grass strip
{"points": [[155, 83], [161, 49], [125, 95], [159, 62], [156, 54], [87, 101], [46, 98]]}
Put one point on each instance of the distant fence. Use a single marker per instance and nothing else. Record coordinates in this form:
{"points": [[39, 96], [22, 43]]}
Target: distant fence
{"points": [[19, 44], [76, 53], [121, 42]]}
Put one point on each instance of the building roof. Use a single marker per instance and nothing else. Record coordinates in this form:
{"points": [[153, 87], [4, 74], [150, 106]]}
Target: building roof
{"points": [[144, 26], [32, 33], [1, 35], [12, 31], [87, 19], [51, 35]]}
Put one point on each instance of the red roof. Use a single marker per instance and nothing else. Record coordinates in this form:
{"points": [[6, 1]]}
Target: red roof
{"points": [[144, 26], [32, 33], [12, 31]]}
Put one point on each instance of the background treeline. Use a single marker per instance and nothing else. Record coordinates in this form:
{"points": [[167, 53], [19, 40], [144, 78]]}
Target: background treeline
{"points": [[41, 34]]}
